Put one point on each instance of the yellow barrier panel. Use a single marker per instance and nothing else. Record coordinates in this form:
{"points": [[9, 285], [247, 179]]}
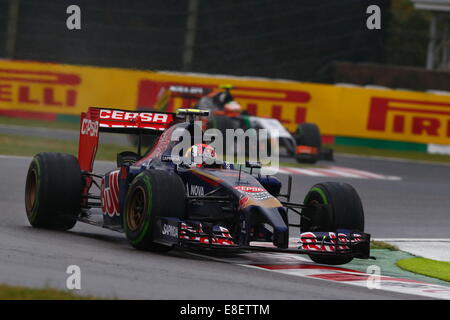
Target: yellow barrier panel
{"points": [[393, 115], [63, 89], [339, 111]]}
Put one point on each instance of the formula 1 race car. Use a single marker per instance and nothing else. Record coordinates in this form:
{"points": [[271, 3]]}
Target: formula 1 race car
{"points": [[304, 144], [161, 202]]}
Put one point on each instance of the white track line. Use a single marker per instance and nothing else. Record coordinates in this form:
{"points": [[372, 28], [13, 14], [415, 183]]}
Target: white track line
{"points": [[5, 156], [306, 172], [337, 172], [361, 173], [344, 174], [313, 172]]}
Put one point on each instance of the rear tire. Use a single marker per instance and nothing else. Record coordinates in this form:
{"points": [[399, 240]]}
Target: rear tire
{"points": [[342, 210], [308, 134], [53, 191], [152, 193]]}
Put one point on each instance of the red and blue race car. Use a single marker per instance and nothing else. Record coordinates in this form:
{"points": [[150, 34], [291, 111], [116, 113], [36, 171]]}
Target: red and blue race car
{"points": [[161, 203]]}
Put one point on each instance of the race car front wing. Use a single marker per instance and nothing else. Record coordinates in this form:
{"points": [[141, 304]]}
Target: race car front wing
{"points": [[194, 234]]}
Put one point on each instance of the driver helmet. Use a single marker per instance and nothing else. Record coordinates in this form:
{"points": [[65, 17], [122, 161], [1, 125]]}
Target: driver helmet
{"points": [[201, 154], [222, 98]]}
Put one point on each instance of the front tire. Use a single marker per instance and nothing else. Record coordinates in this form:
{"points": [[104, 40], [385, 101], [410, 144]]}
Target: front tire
{"points": [[53, 191], [153, 193], [341, 209]]}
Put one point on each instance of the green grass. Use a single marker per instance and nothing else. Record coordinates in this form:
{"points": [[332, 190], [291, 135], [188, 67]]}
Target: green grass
{"points": [[29, 146], [427, 267], [382, 245], [356, 150], [22, 293], [40, 123], [398, 154], [374, 152]]}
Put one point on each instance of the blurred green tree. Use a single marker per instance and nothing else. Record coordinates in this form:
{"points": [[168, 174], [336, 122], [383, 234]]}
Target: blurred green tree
{"points": [[407, 35]]}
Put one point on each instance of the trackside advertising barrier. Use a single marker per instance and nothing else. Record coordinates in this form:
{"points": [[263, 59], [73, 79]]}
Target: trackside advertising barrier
{"points": [[45, 89]]}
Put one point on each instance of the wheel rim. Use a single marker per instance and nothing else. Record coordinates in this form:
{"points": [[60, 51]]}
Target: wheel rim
{"points": [[311, 221], [136, 209], [31, 191]]}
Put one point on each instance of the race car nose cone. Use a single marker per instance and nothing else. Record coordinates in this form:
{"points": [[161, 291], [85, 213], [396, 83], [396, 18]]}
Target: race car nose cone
{"points": [[280, 230]]}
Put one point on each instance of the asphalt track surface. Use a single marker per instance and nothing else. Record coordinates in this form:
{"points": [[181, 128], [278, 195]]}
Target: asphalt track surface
{"points": [[414, 207]]}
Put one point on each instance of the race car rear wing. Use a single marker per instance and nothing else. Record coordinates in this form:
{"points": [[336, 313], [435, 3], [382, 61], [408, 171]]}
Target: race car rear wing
{"points": [[97, 120], [190, 93], [125, 121]]}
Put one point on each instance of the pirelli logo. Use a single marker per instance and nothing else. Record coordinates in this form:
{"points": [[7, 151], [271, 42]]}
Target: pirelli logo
{"points": [[409, 117], [40, 88]]}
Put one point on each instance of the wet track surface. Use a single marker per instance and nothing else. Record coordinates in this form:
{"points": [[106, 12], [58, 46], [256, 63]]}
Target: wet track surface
{"points": [[417, 206], [414, 207]]}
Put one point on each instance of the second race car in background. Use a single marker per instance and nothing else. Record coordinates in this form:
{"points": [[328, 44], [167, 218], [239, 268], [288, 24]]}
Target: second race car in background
{"points": [[304, 144]]}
